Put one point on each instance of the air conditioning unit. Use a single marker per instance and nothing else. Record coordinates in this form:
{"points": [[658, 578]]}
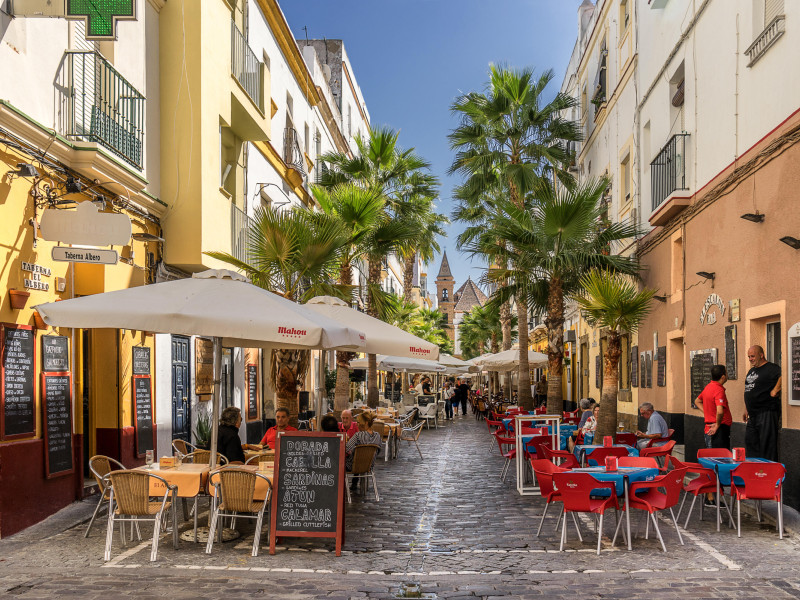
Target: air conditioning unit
{"points": [[38, 8]]}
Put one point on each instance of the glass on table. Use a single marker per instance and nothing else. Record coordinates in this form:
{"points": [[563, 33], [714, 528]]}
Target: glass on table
{"points": [[148, 458]]}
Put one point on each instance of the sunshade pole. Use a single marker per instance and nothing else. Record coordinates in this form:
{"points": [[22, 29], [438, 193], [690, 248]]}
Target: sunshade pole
{"points": [[320, 389], [394, 388], [216, 400]]}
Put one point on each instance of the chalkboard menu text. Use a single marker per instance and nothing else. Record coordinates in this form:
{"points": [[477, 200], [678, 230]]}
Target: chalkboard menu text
{"points": [[643, 369], [141, 360], [308, 488], [700, 370], [143, 413], [649, 368], [252, 392], [598, 372], [662, 366], [794, 351], [57, 408], [17, 382], [634, 366], [55, 354], [730, 351]]}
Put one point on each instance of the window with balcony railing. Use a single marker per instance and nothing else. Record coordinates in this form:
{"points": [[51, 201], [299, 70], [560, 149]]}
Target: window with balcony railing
{"points": [[240, 233], [102, 106], [292, 153], [246, 67], [321, 169], [668, 170]]}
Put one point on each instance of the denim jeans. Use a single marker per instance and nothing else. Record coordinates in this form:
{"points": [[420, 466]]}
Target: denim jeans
{"points": [[448, 409]]}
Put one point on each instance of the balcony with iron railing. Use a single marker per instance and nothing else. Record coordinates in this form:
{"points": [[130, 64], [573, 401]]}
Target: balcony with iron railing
{"points": [[321, 169], [668, 180], [293, 156], [102, 106], [241, 225], [247, 69]]}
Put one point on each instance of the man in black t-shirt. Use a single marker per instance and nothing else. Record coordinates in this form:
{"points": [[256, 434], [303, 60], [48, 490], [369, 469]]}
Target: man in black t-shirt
{"points": [[463, 388], [762, 389]]}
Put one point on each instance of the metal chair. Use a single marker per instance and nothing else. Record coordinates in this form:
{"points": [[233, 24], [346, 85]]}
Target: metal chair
{"points": [[129, 495], [183, 447], [386, 437], [100, 466], [411, 434], [203, 457], [235, 490], [363, 463], [428, 413]]}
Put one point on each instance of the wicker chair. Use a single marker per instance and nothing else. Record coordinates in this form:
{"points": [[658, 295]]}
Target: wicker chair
{"points": [[234, 495], [203, 457], [129, 501], [183, 447], [386, 437], [363, 461], [411, 434], [100, 466]]}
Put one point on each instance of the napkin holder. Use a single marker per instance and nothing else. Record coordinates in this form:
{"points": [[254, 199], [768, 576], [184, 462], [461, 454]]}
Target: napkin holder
{"points": [[166, 462], [608, 441], [738, 454], [611, 464]]}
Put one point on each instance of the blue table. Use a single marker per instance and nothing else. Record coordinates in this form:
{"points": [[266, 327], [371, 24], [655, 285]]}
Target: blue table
{"points": [[622, 478], [583, 451], [527, 438], [723, 466]]}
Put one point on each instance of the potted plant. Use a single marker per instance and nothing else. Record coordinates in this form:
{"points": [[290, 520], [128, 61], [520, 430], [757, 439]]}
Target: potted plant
{"points": [[202, 430], [19, 298]]}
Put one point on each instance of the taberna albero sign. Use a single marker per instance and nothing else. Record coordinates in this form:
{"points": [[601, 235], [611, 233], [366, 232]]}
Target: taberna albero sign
{"points": [[85, 255]]}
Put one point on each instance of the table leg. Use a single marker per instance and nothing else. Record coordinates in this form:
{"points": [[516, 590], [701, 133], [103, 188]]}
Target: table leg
{"points": [[175, 518], [196, 509], [718, 492], [627, 511]]}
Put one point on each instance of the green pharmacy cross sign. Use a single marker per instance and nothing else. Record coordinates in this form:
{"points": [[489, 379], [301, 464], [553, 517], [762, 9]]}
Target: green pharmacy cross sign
{"points": [[101, 16]]}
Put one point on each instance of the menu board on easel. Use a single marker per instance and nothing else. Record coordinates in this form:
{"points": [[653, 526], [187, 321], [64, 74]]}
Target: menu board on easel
{"points": [[634, 366], [17, 360], [661, 363], [252, 392], [143, 413], [57, 409]]}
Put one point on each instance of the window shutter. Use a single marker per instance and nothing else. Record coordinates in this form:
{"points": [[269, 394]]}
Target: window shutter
{"points": [[772, 8]]}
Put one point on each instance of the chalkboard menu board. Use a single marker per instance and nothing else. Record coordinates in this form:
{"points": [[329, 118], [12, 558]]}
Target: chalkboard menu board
{"points": [[598, 371], [700, 372], [643, 369], [308, 488], [143, 411], [57, 408], [252, 392], [662, 366], [141, 360], [794, 352], [634, 366], [730, 351], [649, 368], [17, 391], [55, 354]]}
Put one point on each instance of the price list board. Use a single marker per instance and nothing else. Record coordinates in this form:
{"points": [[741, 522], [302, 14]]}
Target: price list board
{"points": [[252, 392], [634, 366], [143, 411], [308, 488], [794, 352], [700, 370], [17, 360], [57, 408], [661, 362], [55, 354], [730, 351]]}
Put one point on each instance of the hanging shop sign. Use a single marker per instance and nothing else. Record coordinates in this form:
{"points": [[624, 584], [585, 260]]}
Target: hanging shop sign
{"points": [[101, 16], [34, 280], [85, 255], [85, 226], [710, 317]]}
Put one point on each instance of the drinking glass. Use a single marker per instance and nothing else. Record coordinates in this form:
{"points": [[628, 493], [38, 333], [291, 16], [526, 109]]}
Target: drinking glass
{"points": [[621, 426], [148, 458]]}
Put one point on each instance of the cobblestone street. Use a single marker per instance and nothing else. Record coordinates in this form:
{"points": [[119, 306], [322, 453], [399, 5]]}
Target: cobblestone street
{"points": [[446, 521]]}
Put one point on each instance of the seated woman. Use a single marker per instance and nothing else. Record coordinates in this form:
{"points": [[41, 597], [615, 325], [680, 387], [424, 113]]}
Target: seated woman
{"points": [[365, 435], [589, 427], [228, 442], [329, 424]]}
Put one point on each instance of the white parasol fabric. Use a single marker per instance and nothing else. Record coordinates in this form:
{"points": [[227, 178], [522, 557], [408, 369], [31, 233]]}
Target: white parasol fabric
{"points": [[382, 338], [452, 361], [509, 359], [400, 363]]}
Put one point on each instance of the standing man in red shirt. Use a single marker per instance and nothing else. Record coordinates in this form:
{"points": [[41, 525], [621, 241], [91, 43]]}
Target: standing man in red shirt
{"points": [[716, 411]]}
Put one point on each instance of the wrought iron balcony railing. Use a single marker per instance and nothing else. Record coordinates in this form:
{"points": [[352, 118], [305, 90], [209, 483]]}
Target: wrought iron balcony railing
{"points": [[292, 153], [240, 233], [321, 169], [102, 106], [246, 67], [668, 170]]}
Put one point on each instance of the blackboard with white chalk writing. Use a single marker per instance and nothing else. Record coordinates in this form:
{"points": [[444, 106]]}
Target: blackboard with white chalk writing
{"points": [[730, 351], [634, 366], [661, 366], [307, 499], [252, 392], [55, 354], [143, 412], [141, 360], [794, 352], [17, 382], [57, 408], [700, 373]]}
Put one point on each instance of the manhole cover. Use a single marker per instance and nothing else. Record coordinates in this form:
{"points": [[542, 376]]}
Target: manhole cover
{"points": [[228, 535]]}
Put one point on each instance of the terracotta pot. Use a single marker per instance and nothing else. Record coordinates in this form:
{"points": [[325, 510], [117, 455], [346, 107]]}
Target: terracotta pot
{"points": [[39, 321], [19, 298]]}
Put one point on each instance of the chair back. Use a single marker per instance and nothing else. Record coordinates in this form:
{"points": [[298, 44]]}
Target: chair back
{"points": [[363, 458], [672, 483], [658, 450], [537, 443], [638, 461], [541, 411], [237, 487], [382, 429], [598, 455], [714, 453], [101, 466], [203, 457], [570, 462], [132, 491], [182, 446], [759, 481], [544, 469], [576, 489], [626, 438], [504, 440], [411, 434]]}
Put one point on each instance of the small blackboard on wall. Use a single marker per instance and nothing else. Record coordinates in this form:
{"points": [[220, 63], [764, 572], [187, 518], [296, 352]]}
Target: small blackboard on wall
{"points": [[17, 360], [57, 409], [794, 364], [55, 354], [308, 489], [730, 351], [252, 392], [143, 413], [141, 360], [649, 368], [662, 366], [700, 370], [635, 366]]}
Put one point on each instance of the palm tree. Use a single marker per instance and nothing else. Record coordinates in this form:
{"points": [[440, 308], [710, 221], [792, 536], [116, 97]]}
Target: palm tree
{"points": [[294, 254], [510, 138], [554, 243], [614, 302]]}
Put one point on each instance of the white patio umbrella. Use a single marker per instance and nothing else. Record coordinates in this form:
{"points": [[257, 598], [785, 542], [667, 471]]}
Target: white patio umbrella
{"points": [[401, 363], [452, 361], [509, 359], [215, 303]]}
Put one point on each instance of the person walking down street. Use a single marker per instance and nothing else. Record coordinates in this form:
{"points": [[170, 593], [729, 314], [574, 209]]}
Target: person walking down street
{"points": [[656, 426], [762, 402], [718, 418], [448, 400], [463, 396]]}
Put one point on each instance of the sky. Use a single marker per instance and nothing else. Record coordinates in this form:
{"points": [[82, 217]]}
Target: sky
{"points": [[413, 58]]}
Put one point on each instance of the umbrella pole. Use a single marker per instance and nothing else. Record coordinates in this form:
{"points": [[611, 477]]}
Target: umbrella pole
{"points": [[216, 400], [320, 388], [394, 387]]}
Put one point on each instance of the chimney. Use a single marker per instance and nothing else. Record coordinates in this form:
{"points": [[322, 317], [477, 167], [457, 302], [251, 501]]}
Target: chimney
{"points": [[585, 12]]}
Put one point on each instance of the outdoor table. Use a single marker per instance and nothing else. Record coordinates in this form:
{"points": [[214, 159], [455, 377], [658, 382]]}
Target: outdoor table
{"points": [[394, 434], [722, 466], [583, 450], [622, 478], [555, 436], [267, 453], [190, 479]]}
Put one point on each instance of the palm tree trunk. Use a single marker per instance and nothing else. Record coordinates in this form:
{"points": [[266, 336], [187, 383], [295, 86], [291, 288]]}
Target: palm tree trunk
{"points": [[555, 346], [374, 274], [525, 398], [408, 276], [607, 423], [341, 398], [288, 372]]}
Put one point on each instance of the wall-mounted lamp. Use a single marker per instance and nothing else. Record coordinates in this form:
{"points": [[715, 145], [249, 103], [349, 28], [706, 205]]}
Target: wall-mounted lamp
{"points": [[24, 170], [660, 298], [707, 275], [146, 237], [755, 217], [791, 241]]}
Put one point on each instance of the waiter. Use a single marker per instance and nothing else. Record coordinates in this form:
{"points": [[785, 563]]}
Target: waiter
{"points": [[762, 391]]}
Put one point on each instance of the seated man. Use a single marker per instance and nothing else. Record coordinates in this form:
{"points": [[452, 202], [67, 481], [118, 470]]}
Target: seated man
{"points": [[282, 424], [348, 425], [329, 424], [656, 426]]}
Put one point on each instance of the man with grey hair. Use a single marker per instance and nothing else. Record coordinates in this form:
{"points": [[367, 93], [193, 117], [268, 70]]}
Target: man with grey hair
{"points": [[656, 426]]}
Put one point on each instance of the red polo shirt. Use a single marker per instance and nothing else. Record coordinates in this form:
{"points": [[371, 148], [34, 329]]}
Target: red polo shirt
{"points": [[351, 431], [713, 395], [269, 437]]}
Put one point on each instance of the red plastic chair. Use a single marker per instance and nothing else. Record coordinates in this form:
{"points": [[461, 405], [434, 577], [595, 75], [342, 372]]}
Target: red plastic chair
{"points": [[670, 433], [508, 455], [534, 431], [704, 483], [500, 429], [534, 448], [638, 461], [570, 462], [758, 481], [543, 470], [654, 500], [542, 410], [576, 494], [598, 455], [658, 451], [626, 438]]}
